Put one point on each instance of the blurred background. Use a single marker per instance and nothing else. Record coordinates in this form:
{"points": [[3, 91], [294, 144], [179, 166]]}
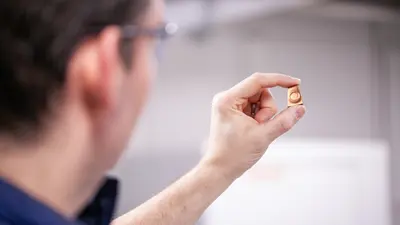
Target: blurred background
{"points": [[341, 163]]}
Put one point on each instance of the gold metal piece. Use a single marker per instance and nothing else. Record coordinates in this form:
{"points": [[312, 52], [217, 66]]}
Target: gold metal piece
{"points": [[294, 96]]}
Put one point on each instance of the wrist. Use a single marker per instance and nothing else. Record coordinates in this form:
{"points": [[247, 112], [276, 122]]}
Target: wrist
{"points": [[218, 169]]}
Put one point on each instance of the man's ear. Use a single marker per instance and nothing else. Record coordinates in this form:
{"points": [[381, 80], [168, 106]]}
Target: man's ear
{"points": [[95, 72]]}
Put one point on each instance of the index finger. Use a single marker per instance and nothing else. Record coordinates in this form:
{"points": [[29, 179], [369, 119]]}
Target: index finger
{"points": [[253, 84]]}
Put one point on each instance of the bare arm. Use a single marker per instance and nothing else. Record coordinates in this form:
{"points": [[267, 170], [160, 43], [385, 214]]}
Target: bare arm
{"points": [[237, 141], [183, 202]]}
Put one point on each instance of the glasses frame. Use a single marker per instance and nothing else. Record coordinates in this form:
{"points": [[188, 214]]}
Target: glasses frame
{"points": [[162, 32]]}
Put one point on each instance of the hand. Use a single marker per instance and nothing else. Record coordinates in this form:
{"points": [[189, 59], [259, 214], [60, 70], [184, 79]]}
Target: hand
{"points": [[237, 140]]}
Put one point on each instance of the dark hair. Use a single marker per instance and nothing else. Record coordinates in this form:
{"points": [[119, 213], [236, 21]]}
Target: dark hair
{"points": [[37, 39]]}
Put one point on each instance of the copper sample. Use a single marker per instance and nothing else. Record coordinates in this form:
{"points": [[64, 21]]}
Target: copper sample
{"points": [[294, 96]]}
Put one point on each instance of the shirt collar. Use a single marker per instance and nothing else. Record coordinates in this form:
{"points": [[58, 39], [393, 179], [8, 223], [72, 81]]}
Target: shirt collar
{"points": [[100, 210], [16, 207]]}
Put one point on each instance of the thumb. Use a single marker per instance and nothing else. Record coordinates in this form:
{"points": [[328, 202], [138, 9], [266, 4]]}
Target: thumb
{"points": [[284, 121]]}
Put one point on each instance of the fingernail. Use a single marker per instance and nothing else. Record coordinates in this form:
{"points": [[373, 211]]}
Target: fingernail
{"points": [[300, 111]]}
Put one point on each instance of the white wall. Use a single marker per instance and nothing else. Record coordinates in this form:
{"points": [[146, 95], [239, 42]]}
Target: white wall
{"points": [[334, 60], [311, 182]]}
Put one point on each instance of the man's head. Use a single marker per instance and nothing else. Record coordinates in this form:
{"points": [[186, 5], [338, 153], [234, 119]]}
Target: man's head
{"points": [[68, 68]]}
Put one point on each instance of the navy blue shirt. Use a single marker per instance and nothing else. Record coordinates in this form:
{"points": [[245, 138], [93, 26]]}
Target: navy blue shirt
{"points": [[18, 208]]}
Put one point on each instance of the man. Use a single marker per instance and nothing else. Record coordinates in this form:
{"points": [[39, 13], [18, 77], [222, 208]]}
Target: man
{"points": [[74, 76]]}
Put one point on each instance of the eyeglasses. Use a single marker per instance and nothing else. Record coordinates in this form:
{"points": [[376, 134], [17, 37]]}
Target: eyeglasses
{"points": [[162, 33]]}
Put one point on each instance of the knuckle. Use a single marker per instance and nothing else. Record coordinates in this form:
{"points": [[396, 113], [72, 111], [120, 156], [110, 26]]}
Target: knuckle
{"points": [[284, 125], [257, 75], [219, 100]]}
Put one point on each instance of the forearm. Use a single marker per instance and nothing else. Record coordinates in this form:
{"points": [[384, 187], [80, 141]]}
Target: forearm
{"points": [[183, 202]]}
